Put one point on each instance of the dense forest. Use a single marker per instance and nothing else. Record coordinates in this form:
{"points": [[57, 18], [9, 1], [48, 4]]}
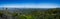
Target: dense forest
{"points": [[30, 13]]}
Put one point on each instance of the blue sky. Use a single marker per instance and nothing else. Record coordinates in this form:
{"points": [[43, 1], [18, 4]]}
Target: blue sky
{"points": [[29, 3]]}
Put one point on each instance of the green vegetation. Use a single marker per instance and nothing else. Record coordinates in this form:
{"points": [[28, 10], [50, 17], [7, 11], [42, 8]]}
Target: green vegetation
{"points": [[35, 14]]}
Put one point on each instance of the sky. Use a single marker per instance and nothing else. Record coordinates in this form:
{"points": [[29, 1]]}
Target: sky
{"points": [[29, 3]]}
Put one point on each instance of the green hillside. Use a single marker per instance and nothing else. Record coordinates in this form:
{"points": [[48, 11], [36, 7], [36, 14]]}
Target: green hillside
{"points": [[53, 13]]}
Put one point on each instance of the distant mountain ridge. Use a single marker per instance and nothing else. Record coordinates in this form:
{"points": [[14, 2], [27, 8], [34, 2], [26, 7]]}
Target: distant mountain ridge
{"points": [[25, 8]]}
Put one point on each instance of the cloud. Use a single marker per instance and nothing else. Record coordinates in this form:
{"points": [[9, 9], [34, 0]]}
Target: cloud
{"points": [[41, 5]]}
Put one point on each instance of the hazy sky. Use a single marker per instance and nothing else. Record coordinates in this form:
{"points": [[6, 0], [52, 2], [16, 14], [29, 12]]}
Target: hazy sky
{"points": [[29, 3]]}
